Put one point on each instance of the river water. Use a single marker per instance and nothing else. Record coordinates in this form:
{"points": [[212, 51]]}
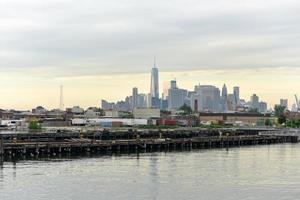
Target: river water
{"points": [[254, 172]]}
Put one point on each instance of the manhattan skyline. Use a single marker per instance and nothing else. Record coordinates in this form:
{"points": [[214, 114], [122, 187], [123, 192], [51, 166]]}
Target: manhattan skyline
{"points": [[101, 50]]}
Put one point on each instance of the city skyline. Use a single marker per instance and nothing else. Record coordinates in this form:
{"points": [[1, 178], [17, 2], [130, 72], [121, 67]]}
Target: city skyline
{"points": [[94, 89]]}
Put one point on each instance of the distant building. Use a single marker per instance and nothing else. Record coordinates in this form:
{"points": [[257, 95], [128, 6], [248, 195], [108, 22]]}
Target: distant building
{"points": [[177, 97], [135, 97], [105, 105], [236, 93], [231, 102], [154, 87], [254, 101], [210, 98], [39, 110], [234, 118], [146, 113], [284, 103], [93, 112], [224, 99], [263, 108], [111, 113]]}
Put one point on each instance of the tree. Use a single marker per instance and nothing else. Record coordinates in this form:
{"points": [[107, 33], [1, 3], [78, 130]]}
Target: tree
{"points": [[279, 113], [187, 110], [34, 125], [268, 122]]}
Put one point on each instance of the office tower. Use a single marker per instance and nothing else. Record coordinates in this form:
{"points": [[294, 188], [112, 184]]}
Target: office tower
{"points": [[154, 87], [224, 92], [134, 97], [173, 84], [208, 98], [284, 102], [236, 93], [254, 101], [231, 104], [224, 99], [177, 97], [263, 108]]}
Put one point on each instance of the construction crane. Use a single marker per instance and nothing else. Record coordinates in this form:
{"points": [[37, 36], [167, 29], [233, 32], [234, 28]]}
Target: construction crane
{"points": [[297, 102]]}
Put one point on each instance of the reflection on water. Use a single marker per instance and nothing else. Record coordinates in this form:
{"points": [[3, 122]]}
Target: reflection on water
{"points": [[262, 172]]}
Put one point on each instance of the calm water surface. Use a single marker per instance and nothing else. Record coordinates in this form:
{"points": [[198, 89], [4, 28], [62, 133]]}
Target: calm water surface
{"points": [[261, 172]]}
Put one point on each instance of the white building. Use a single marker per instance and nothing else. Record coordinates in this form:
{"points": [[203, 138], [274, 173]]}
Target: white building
{"points": [[146, 113]]}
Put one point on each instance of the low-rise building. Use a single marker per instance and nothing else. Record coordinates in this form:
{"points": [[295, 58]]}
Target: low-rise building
{"points": [[234, 118], [146, 113]]}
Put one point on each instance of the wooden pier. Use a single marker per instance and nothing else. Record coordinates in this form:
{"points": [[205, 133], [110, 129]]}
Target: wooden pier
{"points": [[48, 145]]}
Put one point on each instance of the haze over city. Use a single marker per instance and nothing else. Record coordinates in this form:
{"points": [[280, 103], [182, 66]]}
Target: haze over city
{"points": [[101, 50]]}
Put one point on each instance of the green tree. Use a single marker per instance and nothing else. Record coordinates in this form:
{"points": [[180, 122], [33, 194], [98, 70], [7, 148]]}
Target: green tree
{"points": [[187, 110], [268, 122], [279, 113], [34, 125]]}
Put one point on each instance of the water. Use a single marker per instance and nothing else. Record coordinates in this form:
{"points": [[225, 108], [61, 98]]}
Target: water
{"points": [[255, 172]]}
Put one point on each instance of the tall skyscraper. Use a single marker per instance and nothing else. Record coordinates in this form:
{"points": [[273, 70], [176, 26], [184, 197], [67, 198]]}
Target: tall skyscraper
{"points": [[224, 99], [135, 97], [224, 92], [254, 101], [154, 87], [236, 93]]}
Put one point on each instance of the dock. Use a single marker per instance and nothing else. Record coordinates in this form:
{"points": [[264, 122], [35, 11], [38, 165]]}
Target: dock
{"points": [[32, 144]]}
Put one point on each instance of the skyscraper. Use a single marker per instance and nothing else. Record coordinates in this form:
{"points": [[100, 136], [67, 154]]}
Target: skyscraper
{"points": [[236, 93], [209, 98], [224, 92], [224, 99], [134, 97], [254, 101], [176, 96], [154, 87]]}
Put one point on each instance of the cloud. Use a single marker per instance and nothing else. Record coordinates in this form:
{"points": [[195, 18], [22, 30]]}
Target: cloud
{"points": [[122, 36], [97, 45]]}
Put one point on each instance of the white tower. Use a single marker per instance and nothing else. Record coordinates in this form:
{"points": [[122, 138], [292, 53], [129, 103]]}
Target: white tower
{"points": [[61, 99]]}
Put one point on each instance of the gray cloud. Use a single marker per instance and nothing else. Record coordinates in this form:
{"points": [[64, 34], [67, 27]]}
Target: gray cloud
{"points": [[63, 37]]}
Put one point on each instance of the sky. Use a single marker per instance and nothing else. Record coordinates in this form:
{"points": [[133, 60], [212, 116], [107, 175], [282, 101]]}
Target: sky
{"points": [[101, 49]]}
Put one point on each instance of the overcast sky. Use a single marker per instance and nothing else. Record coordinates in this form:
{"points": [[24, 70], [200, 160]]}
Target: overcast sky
{"points": [[94, 47]]}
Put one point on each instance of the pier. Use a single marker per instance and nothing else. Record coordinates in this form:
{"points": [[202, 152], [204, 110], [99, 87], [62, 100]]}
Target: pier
{"points": [[31, 144]]}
